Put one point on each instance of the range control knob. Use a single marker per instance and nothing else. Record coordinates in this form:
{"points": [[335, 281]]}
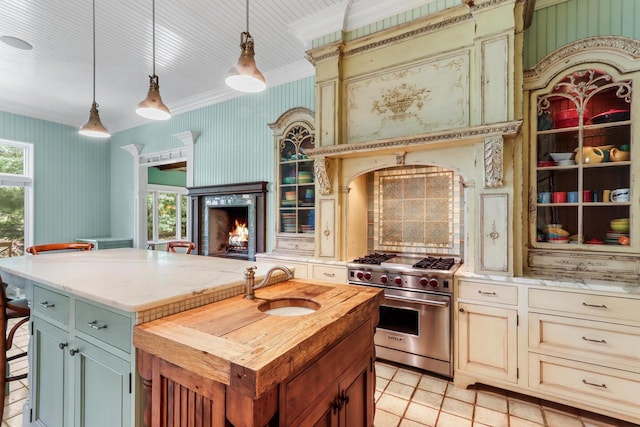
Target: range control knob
{"points": [[398, 281], [424, 282], [359, 275], [384, 278], [367, 275], [433, 283]]}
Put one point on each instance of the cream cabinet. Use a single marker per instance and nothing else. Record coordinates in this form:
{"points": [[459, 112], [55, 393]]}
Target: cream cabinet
{"points": [[294, 135], [586, 346], [578, 347], [487, 340], [583, 163]]}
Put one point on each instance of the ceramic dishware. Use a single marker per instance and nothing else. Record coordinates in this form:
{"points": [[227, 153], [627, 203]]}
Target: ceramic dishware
{"points": [[590, 155], [572, 197], [619, 155], [544, 197], [560, 156], [606, 196], [620, 195], [587, 196], [559, 197]]}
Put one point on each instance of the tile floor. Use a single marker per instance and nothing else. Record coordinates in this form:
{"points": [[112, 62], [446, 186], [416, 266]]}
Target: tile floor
{"points": [[407, 398]]}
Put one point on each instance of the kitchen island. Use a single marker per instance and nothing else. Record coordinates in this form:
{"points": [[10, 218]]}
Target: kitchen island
{"points": [[234, 361], [84, 307]]}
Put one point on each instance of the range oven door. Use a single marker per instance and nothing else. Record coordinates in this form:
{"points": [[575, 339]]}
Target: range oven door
{"points": [[415, 323]]}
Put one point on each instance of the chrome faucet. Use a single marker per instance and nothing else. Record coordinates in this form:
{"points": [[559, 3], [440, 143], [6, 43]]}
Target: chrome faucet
{"points": [[249, 279]]}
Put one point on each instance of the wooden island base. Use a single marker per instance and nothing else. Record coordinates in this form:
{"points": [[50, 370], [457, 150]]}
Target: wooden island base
{"points": [[335, 389]]}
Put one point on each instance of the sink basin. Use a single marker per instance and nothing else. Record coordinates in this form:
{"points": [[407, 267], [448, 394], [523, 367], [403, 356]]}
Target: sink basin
{"points": [[289, 307]]}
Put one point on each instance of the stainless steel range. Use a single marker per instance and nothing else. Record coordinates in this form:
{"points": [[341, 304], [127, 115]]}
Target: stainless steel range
{"points": [[416, 320]]}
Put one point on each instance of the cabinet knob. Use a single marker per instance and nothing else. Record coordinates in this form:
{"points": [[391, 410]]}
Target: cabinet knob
{"points": [[461, 310], [74, 351], [62, 345]]}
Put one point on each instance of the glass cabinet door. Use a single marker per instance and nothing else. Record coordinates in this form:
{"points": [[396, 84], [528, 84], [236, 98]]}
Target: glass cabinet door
{"points": [[583, 162], [296, 182]]}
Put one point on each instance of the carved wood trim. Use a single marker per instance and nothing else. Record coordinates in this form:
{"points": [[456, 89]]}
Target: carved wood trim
{"points": [[471, 134], [320, 167], [621, 45], [493, 161]]}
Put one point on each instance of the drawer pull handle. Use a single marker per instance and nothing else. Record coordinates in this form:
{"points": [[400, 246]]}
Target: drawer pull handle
{"points": [[592, 340], [486, 293], [329, 274], [593, 384], [594, 305], [95, 325], [46, 304]]}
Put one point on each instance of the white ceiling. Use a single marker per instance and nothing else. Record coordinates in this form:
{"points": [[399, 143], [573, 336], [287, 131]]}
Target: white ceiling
{"points": [[197, 41]]}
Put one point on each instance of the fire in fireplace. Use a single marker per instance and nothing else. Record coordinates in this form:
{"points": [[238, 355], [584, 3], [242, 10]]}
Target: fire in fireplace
{"points": [[239, 237]]}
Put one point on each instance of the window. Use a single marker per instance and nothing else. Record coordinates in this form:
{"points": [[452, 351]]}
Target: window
{"points": [[167, 214], [16, 197]]}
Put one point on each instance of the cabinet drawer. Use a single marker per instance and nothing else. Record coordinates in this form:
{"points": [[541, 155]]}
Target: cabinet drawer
{"points": [[51, 304], [105, 325], [585, 339], [329, 273], [488, 292], [586, 304], [600, 386]]}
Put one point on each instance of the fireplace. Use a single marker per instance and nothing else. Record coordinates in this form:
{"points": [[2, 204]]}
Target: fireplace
{"points": [[229, 220]]}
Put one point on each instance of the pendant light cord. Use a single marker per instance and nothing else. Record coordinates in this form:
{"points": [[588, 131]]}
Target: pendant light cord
{"points": [[247, 16], [94, 51], [153, 33]]}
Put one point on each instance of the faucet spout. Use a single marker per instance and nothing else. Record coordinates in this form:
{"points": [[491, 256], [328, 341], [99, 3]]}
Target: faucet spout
{"points": [[249, 279]]}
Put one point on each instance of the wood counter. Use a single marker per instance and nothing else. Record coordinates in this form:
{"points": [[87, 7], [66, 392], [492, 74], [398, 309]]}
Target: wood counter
{"points": [[250, 353]]}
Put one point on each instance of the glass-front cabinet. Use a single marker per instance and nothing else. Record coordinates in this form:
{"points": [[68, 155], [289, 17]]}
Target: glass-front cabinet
{"points": [[583, 169], [296, 181], [294, 134]]}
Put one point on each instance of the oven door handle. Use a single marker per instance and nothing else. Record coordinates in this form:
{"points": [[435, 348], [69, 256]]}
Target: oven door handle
{"points": [[443, 304]]}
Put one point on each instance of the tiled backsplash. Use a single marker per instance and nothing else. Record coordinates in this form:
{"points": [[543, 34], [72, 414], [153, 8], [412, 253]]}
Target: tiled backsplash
{"points": [[415, 209]]}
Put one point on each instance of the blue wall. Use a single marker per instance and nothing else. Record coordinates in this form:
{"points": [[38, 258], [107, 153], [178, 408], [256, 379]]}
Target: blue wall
{"points": [[71, 179], [235, 145]]}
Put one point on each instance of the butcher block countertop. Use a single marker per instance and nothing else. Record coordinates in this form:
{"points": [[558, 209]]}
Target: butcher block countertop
{"points": [[234, 343]]}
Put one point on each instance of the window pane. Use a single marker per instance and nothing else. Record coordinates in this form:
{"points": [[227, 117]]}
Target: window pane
{"points": [[11, 221], [167, 216], [183, 219], [149, 216], [11, 160]]}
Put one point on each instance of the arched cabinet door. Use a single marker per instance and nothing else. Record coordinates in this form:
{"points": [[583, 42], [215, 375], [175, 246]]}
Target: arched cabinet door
{"points": [[294, 134], [583, 166]]}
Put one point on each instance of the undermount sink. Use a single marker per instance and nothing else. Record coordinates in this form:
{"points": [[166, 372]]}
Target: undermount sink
{"points": [[289, 307]]}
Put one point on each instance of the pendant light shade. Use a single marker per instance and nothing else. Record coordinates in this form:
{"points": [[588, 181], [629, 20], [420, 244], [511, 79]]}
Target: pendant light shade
{"points": [[152, 106], [94, 127], [245, 76]]}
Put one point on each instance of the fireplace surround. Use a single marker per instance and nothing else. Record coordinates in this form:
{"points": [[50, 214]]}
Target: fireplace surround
{"points": [[214, 212]]}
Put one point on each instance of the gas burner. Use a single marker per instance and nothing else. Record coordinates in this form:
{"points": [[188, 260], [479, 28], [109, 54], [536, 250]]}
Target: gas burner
{"points": [[373, 259], [432, 263]]}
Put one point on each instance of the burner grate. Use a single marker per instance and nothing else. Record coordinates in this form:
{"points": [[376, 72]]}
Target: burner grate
{"points": [[373, 259], [433, 263]]}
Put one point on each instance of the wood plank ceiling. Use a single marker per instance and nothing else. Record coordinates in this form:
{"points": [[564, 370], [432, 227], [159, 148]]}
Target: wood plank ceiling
{"points": [[197, 41]]}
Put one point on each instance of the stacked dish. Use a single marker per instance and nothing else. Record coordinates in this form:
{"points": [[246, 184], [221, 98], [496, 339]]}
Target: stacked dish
{"points": [[305, 177], [289, 222], [307, 229], [619, 232], [556, 234]]}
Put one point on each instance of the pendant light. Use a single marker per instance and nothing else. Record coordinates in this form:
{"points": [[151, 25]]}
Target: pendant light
{"points": [[152, 106], [94, 127], [245, 76]]}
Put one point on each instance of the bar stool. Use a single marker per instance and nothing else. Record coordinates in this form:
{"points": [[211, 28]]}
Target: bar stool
{"points": [[171, 246], [80, 246], [10, 309]]}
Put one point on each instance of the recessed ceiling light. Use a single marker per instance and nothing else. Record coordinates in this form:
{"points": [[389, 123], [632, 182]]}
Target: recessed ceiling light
{"points": [[16, 42]]}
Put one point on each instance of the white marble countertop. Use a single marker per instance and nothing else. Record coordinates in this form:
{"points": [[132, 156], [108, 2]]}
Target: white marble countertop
{"points": [[132, 280], [576, 283]]}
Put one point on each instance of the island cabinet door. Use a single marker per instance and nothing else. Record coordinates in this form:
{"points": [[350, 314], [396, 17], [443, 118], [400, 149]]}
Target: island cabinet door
{"points": [[102, 386], [48, 374]]}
